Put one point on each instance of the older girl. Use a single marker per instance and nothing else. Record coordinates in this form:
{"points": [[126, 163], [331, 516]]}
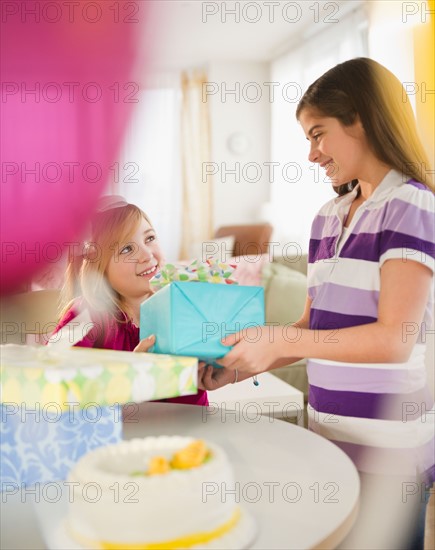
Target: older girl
{"points": [[370, 279]]}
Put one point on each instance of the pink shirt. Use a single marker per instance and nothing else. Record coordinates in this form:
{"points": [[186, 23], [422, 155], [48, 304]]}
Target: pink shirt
{"points": [[111, 333]]}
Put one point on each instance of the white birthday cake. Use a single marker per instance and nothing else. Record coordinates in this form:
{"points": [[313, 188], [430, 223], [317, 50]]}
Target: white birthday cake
{"points": [[165, 492]]}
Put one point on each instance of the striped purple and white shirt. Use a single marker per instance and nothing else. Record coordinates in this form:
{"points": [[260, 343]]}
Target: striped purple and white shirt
{"points": [[380, 414]]}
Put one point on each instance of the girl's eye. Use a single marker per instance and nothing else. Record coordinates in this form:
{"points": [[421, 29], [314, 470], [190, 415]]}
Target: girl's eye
{"points": [[150, 238], [126, 249], [316, 137]]}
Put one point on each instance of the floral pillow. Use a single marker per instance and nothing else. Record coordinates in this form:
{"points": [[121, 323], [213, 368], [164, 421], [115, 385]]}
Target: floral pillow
{"points": [[249, 268]]}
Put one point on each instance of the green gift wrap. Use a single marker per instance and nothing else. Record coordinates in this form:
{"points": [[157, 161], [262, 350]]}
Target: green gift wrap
{"points": [[190, 318], [41, 375]]}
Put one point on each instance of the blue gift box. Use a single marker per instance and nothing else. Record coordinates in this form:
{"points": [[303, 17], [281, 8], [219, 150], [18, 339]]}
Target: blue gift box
{"points": [[190, 318], [41, 444]]}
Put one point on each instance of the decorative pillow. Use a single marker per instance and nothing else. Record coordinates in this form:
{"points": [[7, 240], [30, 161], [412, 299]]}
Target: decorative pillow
{"points": [[249, 268], [285, 293], [221, 248]]}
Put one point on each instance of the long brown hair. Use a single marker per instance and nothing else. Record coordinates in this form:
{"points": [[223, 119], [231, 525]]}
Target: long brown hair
{"points": [[85, 274], [362, 87]]}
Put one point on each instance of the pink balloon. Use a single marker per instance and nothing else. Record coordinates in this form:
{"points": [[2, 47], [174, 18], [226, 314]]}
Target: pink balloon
{"points": [[68, 88]]}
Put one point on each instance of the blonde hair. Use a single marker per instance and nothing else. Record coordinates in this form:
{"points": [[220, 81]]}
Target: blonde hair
{"points": [[364, 88], [86, 274]]}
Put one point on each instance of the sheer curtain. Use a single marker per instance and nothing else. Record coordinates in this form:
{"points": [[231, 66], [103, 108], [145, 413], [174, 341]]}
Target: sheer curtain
{"points": [[148, 172], [299, 188], [197, 223]]}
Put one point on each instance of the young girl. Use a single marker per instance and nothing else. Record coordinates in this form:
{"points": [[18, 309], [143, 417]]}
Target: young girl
{"points": [[108, 283], [371, 262]]}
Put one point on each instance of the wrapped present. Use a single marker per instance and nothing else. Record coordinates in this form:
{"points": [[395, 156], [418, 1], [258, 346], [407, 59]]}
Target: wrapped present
{"points": [[42, 375], [191, 317], [41, 444], [57, 405]]}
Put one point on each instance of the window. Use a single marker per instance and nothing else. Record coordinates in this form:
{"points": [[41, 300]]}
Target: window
{"points": [[148, 173], [298, 189]]}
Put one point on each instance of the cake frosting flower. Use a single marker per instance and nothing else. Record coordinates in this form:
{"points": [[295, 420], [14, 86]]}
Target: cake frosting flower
{"points": [[158, 465], [191, 456]]}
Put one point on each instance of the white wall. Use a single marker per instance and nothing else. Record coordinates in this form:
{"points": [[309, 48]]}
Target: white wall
{"points": [[239, 202]]}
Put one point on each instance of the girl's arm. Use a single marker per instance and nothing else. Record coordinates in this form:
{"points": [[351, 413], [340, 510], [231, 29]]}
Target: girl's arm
{"points": [[302, 323], [403, 297], [76, 328]]}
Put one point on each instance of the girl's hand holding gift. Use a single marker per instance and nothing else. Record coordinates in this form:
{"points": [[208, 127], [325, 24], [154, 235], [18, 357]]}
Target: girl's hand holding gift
{"points": [[211, 378], [145, 344], [255, 350]]}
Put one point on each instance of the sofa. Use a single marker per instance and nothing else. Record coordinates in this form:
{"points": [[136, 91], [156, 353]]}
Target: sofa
{"points": [[285, 290]]}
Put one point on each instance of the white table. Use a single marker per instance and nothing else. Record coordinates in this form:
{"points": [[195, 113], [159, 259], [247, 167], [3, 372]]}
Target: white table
{"points": [[272, 397], [301, 489]]}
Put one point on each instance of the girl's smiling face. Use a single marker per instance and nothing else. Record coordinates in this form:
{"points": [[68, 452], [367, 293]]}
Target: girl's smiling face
{"points": [[340, 150], [134, 263]]}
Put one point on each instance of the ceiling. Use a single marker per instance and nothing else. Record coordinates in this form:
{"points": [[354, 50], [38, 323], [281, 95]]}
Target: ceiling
{"points": [[192, 33]]}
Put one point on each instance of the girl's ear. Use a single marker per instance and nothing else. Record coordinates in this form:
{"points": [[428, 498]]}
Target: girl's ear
{"points": [[357, 128], [358, 123]]}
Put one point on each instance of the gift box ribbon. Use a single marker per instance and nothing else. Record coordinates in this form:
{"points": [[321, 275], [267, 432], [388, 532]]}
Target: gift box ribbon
{"points": [[210, 271]]}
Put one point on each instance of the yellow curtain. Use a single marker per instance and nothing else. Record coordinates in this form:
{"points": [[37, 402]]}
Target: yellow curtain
{"points": [[424, 58], [197, 222]]}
